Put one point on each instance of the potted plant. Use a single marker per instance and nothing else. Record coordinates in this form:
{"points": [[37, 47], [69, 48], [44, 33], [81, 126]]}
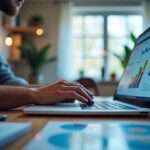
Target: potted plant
{"points": [[36, 58], [36, 21], [127, 52], [113, 77]]}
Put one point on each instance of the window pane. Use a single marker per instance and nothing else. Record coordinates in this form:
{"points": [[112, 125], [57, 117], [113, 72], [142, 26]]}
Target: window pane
{"points": [[77, 25], [117, 26], [78, 46], [93, 25], [78, 65], [93, 47], [135, 24], [116, 45], [92, 68], [114, 66]]}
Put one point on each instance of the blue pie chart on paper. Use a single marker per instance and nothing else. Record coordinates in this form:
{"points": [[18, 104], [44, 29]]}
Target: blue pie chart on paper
{"points": [[139, 145], [140, 131], [64, 141], [74, 127], [137, 129], [61, 140]]}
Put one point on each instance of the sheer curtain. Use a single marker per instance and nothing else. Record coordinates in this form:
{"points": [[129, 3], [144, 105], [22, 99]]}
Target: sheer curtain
{"points": [[3, 49], [65, 52]]}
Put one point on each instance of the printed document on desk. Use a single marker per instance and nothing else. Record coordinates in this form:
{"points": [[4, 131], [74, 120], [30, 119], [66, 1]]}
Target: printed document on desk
{"points": [[102, 135]]}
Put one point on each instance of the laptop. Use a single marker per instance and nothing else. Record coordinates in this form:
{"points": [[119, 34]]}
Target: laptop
{"points": [[132, 96]]}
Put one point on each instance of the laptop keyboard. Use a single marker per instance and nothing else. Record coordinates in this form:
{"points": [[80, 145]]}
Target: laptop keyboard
{"points": [[107, 106]]}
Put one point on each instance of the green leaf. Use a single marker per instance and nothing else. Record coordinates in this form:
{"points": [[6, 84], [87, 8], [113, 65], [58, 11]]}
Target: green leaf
{"points": [[51, 59], [35, 57], [133, 38], [127, 52], [42, 55]]}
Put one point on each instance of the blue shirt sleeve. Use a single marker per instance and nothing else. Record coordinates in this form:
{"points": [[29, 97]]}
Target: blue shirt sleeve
{"points": [[7, 77]]}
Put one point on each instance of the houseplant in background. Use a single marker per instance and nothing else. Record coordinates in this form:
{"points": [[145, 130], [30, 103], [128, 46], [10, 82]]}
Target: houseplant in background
{"points": [[36, 59], [36, 21], [127, 52]]}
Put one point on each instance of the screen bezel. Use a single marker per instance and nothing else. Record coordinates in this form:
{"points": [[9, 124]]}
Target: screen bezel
{"points": [[135, 100]]}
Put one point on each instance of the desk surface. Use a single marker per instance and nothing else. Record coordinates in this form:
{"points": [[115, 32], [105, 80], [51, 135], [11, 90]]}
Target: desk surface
{"points": [[38, 122]]}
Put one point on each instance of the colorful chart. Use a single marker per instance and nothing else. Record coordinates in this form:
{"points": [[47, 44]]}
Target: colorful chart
{"points": [[137, 78], [92, 136]]}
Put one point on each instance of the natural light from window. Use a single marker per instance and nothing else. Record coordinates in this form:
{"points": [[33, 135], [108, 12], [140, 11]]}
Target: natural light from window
{"points": [[89, 38]]}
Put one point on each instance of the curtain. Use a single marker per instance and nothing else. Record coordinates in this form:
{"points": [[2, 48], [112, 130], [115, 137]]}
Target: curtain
{"points": [[65, 52], [3, 49]]}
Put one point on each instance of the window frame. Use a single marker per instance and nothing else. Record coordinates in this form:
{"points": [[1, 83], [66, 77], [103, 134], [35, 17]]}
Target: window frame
{"points": [[105, 14]]}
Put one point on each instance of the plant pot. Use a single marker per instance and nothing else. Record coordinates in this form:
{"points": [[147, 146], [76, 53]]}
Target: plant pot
{"points": [[35, 78]]}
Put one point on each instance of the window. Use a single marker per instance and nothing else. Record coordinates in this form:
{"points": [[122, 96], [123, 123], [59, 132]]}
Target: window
{"points": [[92, 34], [119, 30], [88, 44]]}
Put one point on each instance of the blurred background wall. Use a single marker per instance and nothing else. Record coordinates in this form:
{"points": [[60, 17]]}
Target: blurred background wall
{"points": [[61, 25]]}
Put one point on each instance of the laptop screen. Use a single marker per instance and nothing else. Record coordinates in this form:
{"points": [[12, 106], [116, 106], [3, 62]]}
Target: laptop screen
{"points": [[135, 82]]}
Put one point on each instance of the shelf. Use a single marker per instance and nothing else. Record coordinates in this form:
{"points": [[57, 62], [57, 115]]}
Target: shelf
{"points": [[26, 30]]}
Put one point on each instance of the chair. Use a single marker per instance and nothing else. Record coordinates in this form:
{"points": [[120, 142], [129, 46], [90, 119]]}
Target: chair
{"points": [[89, 84]]}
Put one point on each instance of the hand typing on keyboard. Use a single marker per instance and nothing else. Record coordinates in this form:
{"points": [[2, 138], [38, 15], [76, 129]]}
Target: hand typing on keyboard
{"points": [[90, 103], [85, 105]]}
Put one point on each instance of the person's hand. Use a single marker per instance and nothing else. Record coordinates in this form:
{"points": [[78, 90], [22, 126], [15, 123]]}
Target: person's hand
{"points": [[61, 91]]}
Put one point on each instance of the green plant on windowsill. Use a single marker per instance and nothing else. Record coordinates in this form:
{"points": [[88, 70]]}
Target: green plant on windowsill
{"points": [[36, 58], [127, 52]]}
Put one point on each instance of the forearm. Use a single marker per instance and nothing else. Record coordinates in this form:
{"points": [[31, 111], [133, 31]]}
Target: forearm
{"points": [[12, 97]]}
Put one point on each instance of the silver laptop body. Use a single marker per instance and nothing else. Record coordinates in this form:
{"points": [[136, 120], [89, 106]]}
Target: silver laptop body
{"points": [[132, 95]]}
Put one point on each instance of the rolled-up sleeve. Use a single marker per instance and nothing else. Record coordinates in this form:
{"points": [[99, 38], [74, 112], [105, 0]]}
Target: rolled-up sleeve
{"points": [[7, 77]]}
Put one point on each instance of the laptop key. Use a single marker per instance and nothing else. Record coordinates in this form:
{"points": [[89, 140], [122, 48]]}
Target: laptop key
{"points": [[85, 106], [106, 106], [112, 105]]}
